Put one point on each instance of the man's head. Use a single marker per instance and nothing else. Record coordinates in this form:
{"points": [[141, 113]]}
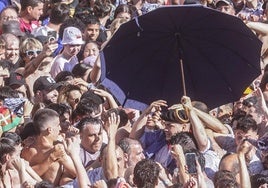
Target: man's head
{"points": [[64, 112], [229, 162], [47, 123], [30, 48], [31, 9], [72, 41], [246, 127], [173, 128], [146, 173], [225, 6], [92, 29], [8, 13], [225, 178], [12, 47], [133, 151], [91, 134], [45, 91], [59, 14]]}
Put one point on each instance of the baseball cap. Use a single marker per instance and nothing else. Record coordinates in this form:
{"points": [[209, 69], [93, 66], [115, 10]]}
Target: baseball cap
{"points": [[16, 80], [72, 35], [45, 83], [227, 2]]}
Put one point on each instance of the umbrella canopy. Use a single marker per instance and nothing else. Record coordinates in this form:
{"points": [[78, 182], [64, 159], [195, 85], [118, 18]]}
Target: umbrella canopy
{"points": [[220, 56]]}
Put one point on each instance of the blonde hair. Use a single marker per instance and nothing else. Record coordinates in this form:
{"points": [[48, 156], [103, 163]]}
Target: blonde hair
{"points": [[116, 24], [29, 44]]}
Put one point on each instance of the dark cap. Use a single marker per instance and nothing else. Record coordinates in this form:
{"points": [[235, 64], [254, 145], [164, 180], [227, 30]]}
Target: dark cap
{"points": [[16, 80], [13, 27], [45, 83], [92, 96], [227, 2]]}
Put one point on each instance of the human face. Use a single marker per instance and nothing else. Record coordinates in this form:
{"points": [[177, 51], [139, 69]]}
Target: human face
{"points": [[74, 98], [125, 15], [91, 137], [92, 32], [12, 51], [227, 9], [54, 125], [91, 49], [50, 96], [172, 129], [71, 50], [36, 12], [241, 135], [8, 14], [31, 54], [135, 154], [65, 122], [120, 161]]}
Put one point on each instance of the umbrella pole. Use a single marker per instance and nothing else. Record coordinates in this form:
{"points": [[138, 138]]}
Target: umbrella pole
{"points": [[183, 79]]}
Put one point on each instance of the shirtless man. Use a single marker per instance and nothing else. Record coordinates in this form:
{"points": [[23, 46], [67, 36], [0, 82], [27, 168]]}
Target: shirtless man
{"points": [[47, 155]]}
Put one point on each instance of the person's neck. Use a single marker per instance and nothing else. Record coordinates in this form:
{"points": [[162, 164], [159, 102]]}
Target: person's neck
{"points": [[66, 55], [25, 18], [252, 4], [44, 142]]}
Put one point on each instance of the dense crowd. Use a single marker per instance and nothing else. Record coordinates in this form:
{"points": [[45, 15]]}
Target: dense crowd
{"points": [[61, 128]]}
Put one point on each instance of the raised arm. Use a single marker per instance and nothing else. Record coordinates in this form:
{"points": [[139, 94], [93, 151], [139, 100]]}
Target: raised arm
{"points": [[197, 126], [73, 148], [33, 65], [211, 122], [138, 126], [110, 159]]}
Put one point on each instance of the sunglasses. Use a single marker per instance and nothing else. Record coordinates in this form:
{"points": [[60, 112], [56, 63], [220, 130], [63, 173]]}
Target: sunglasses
{"points": [[32, 52]]}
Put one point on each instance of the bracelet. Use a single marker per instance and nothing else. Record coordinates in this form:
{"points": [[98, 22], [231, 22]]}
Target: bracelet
{"points": [[27, 116]]}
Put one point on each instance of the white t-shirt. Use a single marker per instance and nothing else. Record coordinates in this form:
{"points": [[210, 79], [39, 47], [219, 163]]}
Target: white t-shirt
{"points": [[62, 64]]}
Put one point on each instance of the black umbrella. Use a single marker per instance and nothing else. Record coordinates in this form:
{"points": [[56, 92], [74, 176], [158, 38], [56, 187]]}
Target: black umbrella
{"points": [[143, 60]]}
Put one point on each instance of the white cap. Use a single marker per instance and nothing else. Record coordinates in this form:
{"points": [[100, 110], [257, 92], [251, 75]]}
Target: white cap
{"points": [[72, 35]]}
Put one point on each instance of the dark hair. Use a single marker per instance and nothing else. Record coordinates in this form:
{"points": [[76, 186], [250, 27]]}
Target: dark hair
{"points": [[246, 123], [27, 3], [225, 178], [88, 120], [60, 108], [122, 8], [258, 179], [146, 173], [117, 111], [185, 139], [5, 148], [80, 69], [44, 184], [63, 76], [6, 64], [59, 13], [102, 8], [8, 92], [13, 136], [41, 117], [86, 107], [71, 22], [28, 131], [264, 81], [90, 20]]}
